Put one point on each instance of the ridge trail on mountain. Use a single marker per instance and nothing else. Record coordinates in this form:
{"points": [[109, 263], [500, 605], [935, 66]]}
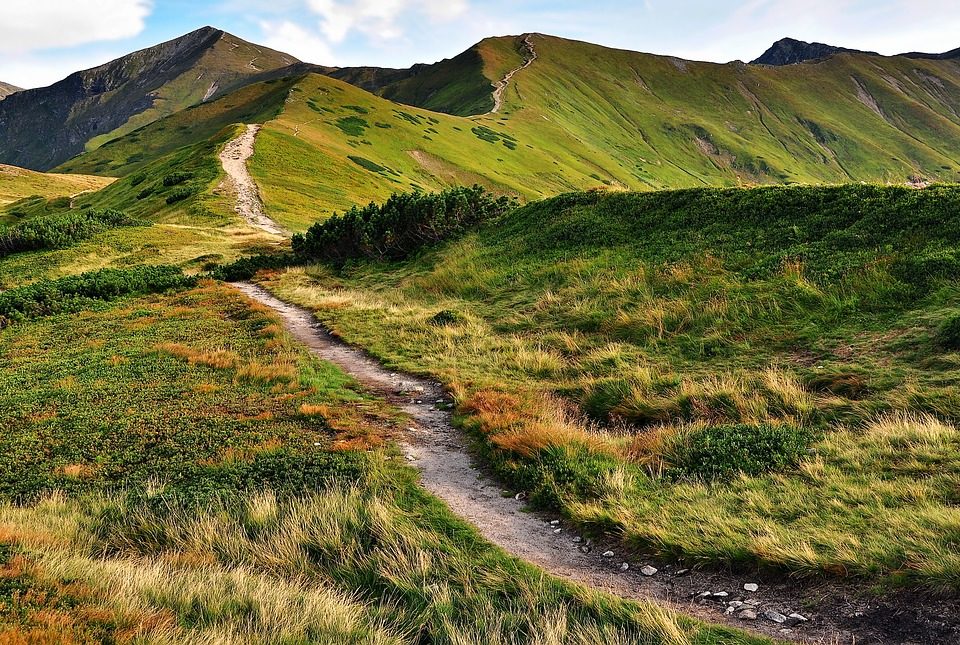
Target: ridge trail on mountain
{"points": [[501, 85]]}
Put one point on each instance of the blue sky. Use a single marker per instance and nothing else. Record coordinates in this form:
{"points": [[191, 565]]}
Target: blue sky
{"points": [[42, 41]]}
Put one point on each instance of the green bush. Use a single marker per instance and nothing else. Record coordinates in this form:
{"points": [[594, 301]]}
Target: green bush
{"points": [[401, 226], [177, 178], [75, 293], [948, 334], [246, 268], [179, 194], [722, 452], [61, 230]]}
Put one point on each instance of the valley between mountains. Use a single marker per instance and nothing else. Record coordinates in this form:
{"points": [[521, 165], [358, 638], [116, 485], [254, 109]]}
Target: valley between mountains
{"points": [[543, 343]]}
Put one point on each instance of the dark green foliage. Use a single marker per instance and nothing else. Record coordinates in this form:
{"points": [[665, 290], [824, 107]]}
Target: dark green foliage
{"points": [[722, 452], [948, 334], [75, 293], [246, 268], [61, 230], [177, 178], [402, 225], [179, 194], [445, 318], [367, 164], [356, 108], [352, 126]]}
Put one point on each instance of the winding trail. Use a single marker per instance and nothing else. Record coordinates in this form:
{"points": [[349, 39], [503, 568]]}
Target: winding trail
{"points": [[501, 85], [234, 159], [439, 450]]}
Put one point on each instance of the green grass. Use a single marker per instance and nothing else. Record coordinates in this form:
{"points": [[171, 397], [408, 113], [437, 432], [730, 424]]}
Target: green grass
{"points": [[822, 310], [17, 184], [175, 467]]}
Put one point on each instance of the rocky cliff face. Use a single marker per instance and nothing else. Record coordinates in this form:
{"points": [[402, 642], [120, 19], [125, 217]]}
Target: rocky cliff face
{"points": [[41, 128], [790, 51]]}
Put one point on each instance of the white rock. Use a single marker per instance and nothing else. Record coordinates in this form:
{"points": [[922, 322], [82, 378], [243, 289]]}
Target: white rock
{"points": [[608, 554], [751, 587], [775, 616], [682, 572], [799, 618], [577, 540], [557, 531], [736, 604], [649, 571], [721, 594], [624, 566], [554, 522], [747, 614]]}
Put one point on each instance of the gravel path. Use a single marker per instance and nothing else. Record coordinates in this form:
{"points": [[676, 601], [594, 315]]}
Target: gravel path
{"points": [[501, 86], [833, 613], [234, 160]]}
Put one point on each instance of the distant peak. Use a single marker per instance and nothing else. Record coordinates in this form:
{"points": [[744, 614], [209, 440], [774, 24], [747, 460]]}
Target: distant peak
{"points": [[790, 51]]}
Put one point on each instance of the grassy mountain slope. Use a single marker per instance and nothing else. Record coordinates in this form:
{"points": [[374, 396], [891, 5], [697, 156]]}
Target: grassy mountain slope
{"points": [[44, 127], [581, 116], [813, 346], [17, 183], [6, 90]]}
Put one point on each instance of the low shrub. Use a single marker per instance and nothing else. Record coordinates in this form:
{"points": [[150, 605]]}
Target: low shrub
{"points": [[61, 230], [445, 318], [401, 226], [246, 268], [948, 334], [179, 194], [177, 178], [74, 293], [713, 453]]}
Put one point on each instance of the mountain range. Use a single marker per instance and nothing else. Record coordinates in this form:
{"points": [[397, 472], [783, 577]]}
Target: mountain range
{"points": [[575, 115]]}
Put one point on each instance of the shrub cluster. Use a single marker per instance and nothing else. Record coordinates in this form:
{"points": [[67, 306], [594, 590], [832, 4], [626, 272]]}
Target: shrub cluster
{"points": [[721, 452], [399, 227], [61, 230], [74, 293]]}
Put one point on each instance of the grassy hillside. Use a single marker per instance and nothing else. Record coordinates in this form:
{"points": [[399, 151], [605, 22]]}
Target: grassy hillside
{"points": [[701, 388], [18, 183], [221, 485], [180, 193]]}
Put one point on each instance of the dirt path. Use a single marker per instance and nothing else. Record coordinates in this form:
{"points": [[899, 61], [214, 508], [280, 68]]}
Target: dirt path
{"points": [[501, 85], [234, 160], [831, 612]]}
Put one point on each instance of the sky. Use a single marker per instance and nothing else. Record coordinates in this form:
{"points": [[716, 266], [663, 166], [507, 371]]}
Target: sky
{"points": [[42, 41]]}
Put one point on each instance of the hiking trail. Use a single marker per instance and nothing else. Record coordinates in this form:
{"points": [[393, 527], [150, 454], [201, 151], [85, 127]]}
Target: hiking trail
{"points": [[840, 614], [501, 85], [234, 159]]}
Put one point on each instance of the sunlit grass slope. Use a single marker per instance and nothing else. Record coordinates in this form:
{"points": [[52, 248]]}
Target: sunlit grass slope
{"points": [[181, 193], [18, 183], [176, 469], [660, 365]]}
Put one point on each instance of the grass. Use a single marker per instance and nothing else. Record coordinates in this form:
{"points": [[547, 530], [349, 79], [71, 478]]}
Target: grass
{"points": [[18, 183], [176, 469], [593, 338]]}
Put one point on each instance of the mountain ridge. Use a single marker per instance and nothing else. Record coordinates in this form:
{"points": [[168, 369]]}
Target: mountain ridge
{"points": [[41, 128]]}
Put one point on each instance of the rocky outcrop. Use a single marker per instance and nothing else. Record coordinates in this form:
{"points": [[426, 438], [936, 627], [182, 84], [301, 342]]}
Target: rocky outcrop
{"points": [[790, 51]]}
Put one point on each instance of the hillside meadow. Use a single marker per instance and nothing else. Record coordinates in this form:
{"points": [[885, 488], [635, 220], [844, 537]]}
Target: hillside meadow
{"points": [[176, 469], [780, 394]]}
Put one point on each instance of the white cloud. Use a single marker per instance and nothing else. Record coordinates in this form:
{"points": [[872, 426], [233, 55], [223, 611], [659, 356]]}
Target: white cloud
{"points": [[293, 39], [379, 19], [31, 25]]}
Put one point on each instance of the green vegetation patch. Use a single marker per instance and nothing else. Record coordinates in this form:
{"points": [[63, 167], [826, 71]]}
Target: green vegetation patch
{"points": [[75, 293], [714, 453], [61, 230], [367, 164], [404, 224], [352, 126]]}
